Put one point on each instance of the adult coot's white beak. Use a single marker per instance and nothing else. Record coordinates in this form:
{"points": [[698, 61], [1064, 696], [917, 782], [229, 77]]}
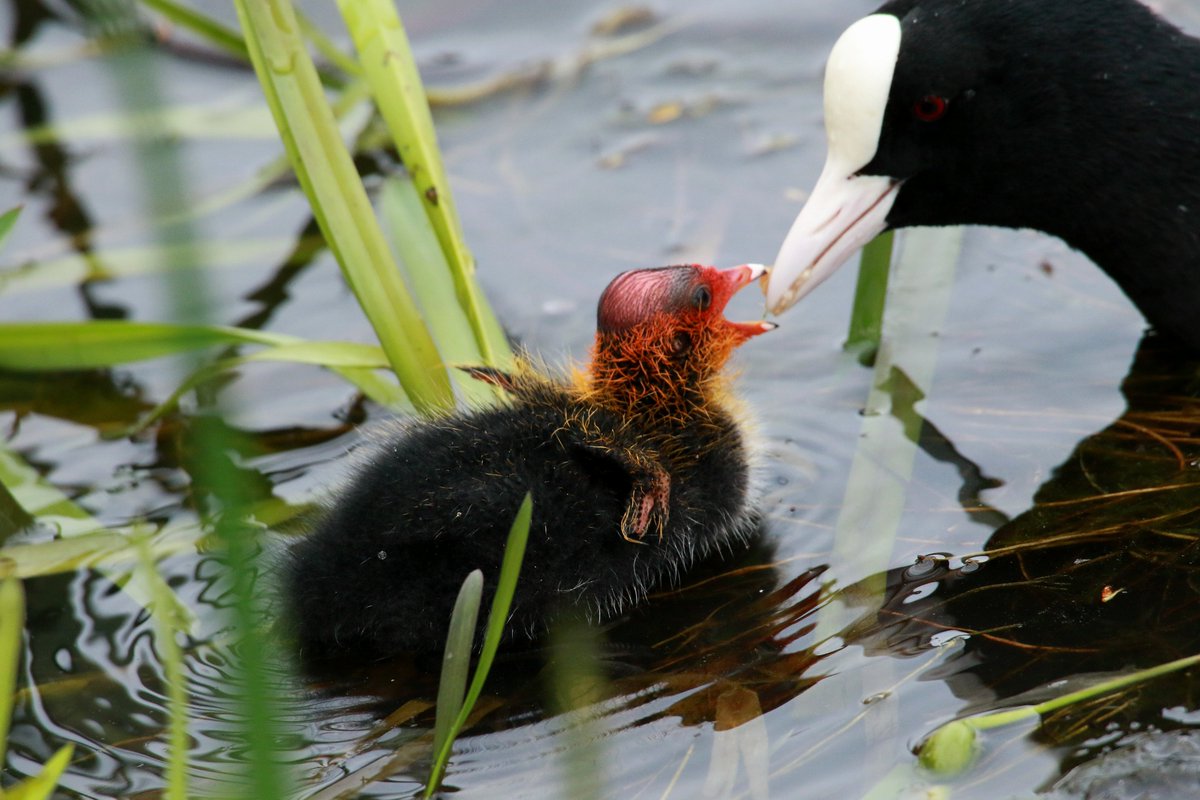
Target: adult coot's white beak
{"points": [[843, 213], [846, 209]]}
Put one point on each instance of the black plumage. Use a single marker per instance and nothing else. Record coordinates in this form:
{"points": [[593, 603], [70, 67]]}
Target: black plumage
{"points": [[1079, 118], [636, 469]]}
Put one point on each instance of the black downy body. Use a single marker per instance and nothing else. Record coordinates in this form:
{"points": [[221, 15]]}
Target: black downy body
{"points": [[628, 490]]}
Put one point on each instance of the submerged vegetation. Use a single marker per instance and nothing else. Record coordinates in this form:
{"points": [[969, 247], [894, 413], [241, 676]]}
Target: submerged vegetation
{"points": [[1098, 576]]}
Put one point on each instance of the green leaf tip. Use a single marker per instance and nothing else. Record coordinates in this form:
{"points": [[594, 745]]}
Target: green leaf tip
{"points": [[7, 220]]}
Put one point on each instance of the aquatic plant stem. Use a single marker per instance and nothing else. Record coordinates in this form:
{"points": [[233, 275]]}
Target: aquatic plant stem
{"points": [[217, 34], [456, 660], [220, 496], [952, 747], [339, 202], [873, 504], [12, 622], [870, 293], [506, 585], [170, 621], [391, 71], [7, 220]]}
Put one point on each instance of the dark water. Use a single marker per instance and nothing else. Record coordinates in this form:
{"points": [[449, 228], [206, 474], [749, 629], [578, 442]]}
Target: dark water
{"points": [[1051, 433]]}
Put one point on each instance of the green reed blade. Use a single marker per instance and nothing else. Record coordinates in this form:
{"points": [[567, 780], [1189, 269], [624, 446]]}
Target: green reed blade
{"points": [[421, 257], [456, 660], [877, 487], [170, 621], [12, 623], [391, 70], [866, 318], [80, 539], [7, 221], [216, 33], [577, 687], [106, 343], [326, 47], [45, 782], [953, 747], [356, 363], [506, 586], [339, 201]]}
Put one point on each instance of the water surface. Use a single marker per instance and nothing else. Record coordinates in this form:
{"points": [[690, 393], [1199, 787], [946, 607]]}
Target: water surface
{"points": [[697, 146]]}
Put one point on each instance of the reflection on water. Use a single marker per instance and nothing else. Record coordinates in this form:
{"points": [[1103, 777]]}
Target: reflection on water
{"points": [[696, 148]]}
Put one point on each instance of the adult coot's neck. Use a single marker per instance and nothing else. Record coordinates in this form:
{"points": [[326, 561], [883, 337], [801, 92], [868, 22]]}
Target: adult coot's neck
{"points": [[1078, 118]]}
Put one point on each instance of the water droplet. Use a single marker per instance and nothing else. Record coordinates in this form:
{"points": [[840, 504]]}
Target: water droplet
{"points": [[381, 555]]}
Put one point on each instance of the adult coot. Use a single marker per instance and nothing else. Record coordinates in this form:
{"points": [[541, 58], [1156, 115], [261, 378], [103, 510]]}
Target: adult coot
{"points": [[1079, 118], [638, 467]]}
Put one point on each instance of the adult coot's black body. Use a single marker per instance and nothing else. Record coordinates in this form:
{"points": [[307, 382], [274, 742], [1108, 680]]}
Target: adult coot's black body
{"points": [[1080, 118], [637, 469]]}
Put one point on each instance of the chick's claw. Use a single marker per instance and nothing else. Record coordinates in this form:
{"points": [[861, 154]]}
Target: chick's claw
{"points": [[649, 504]]}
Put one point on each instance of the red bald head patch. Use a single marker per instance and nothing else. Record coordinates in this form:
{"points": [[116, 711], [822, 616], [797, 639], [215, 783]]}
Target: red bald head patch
{"points": [[636, 297]]}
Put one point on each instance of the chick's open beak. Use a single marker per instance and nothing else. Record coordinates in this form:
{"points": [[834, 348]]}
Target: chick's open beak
{"points": [[736, 278]]}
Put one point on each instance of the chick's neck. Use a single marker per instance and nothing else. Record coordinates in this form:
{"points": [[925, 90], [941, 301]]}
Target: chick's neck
{"points": [[663, 370]]}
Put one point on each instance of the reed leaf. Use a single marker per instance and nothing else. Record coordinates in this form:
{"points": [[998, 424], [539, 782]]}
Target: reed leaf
{"points": [[170, 620], [43, 784], [456, 660], [953, 747], [107, 343], [8, 220], [391, 71], [354, 362], [870, 293], [12, 622], [72, 525], [577, 688], [326, 47], [421, 257], [107, 549], [339, 201], [150, 259], [506, 586], [214, 32], [876, 489], [207, 121]]}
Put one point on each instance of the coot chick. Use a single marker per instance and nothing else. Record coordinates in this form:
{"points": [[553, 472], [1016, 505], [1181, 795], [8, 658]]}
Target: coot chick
{"points": [[1079, 118], [637, 468]]}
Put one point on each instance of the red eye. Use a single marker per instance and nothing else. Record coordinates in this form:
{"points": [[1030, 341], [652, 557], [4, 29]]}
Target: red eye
{"points": [[929, 108]]}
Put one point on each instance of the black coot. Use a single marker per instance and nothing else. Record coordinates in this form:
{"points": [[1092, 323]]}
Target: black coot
{"points": [[638, 467], [1080, 118]]}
